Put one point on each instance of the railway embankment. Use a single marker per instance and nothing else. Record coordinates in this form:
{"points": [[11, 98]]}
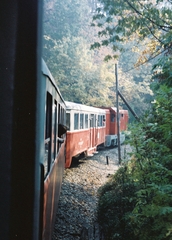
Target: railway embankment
{"points": [[76, 215]]}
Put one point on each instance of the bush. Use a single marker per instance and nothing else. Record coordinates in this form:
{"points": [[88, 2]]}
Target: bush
{"points": [[137, 202], [116, 201]]}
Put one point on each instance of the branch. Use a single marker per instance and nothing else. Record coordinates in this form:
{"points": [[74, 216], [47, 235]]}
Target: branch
{"points": [[146, 61], [147, 10], [154, 35], [139, 13]]}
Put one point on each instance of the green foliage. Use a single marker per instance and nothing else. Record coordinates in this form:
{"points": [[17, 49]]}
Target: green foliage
{"points": [[116, 201], [153, 173], [163, 69], [148, 175], [80, 74], [132, 18]]}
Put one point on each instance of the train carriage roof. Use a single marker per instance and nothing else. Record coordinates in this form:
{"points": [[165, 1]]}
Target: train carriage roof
{"points": [[83, 108], [120, 110], [47, 73], [114, 109]]}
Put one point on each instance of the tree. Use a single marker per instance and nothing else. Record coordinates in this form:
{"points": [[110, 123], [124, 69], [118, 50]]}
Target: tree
{"points": [[75, 67], [146, 203], [136, 202], [124, 19]]}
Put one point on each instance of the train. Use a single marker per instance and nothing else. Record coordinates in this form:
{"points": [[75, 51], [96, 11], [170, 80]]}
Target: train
{"points": [[54, 150], [35, 128], [70, 130], [32, 175], [91, 127]]}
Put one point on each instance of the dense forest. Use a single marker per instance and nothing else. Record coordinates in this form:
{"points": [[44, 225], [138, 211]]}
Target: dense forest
{"points": [[81, 72], [83, 39]]}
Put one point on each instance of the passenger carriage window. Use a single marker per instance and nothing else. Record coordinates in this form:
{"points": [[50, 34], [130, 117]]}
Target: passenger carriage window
{"points": [[64, 117], [102, 117], [99, 121], [64, 114], [54, 130], [68, 120], [91, 120], [58, 121], [81, 121], [61, 124], [48, 127], [76, 121], [61, 115], [103, 120], [94, 120], [86, 120]]}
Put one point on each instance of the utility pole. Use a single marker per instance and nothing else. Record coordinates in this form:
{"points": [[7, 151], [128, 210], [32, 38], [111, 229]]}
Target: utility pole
{"points": [[131, 110], [118, 117]]}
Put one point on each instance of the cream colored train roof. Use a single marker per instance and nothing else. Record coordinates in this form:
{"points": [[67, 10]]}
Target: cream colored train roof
{"points": [[83, 108]]}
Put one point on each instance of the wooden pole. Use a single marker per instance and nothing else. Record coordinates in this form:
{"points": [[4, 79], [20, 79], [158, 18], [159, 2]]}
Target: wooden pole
{"points": [[131, 110], [118, 117]]}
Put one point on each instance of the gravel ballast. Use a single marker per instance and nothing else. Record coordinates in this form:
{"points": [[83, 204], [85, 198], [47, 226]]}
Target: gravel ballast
{"points": [[76, 215]]}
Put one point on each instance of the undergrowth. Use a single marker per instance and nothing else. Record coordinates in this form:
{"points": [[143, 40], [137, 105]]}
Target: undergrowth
{"points": [[137, 201]]}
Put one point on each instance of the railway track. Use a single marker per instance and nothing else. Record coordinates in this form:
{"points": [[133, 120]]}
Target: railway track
{"points": [[76, 215]]}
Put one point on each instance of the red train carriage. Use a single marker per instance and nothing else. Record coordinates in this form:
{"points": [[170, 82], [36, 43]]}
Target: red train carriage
{"points": [[54, 156], [111, 126], [86, 130]]}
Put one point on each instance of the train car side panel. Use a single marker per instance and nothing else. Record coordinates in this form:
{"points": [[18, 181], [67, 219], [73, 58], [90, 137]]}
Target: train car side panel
{"points": [[113, 121], [86, 130], [52, 185], [123, 120], [107, 123], [85, 141], [77, 142], [111, 126], [100, 135], [54, 157]]}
